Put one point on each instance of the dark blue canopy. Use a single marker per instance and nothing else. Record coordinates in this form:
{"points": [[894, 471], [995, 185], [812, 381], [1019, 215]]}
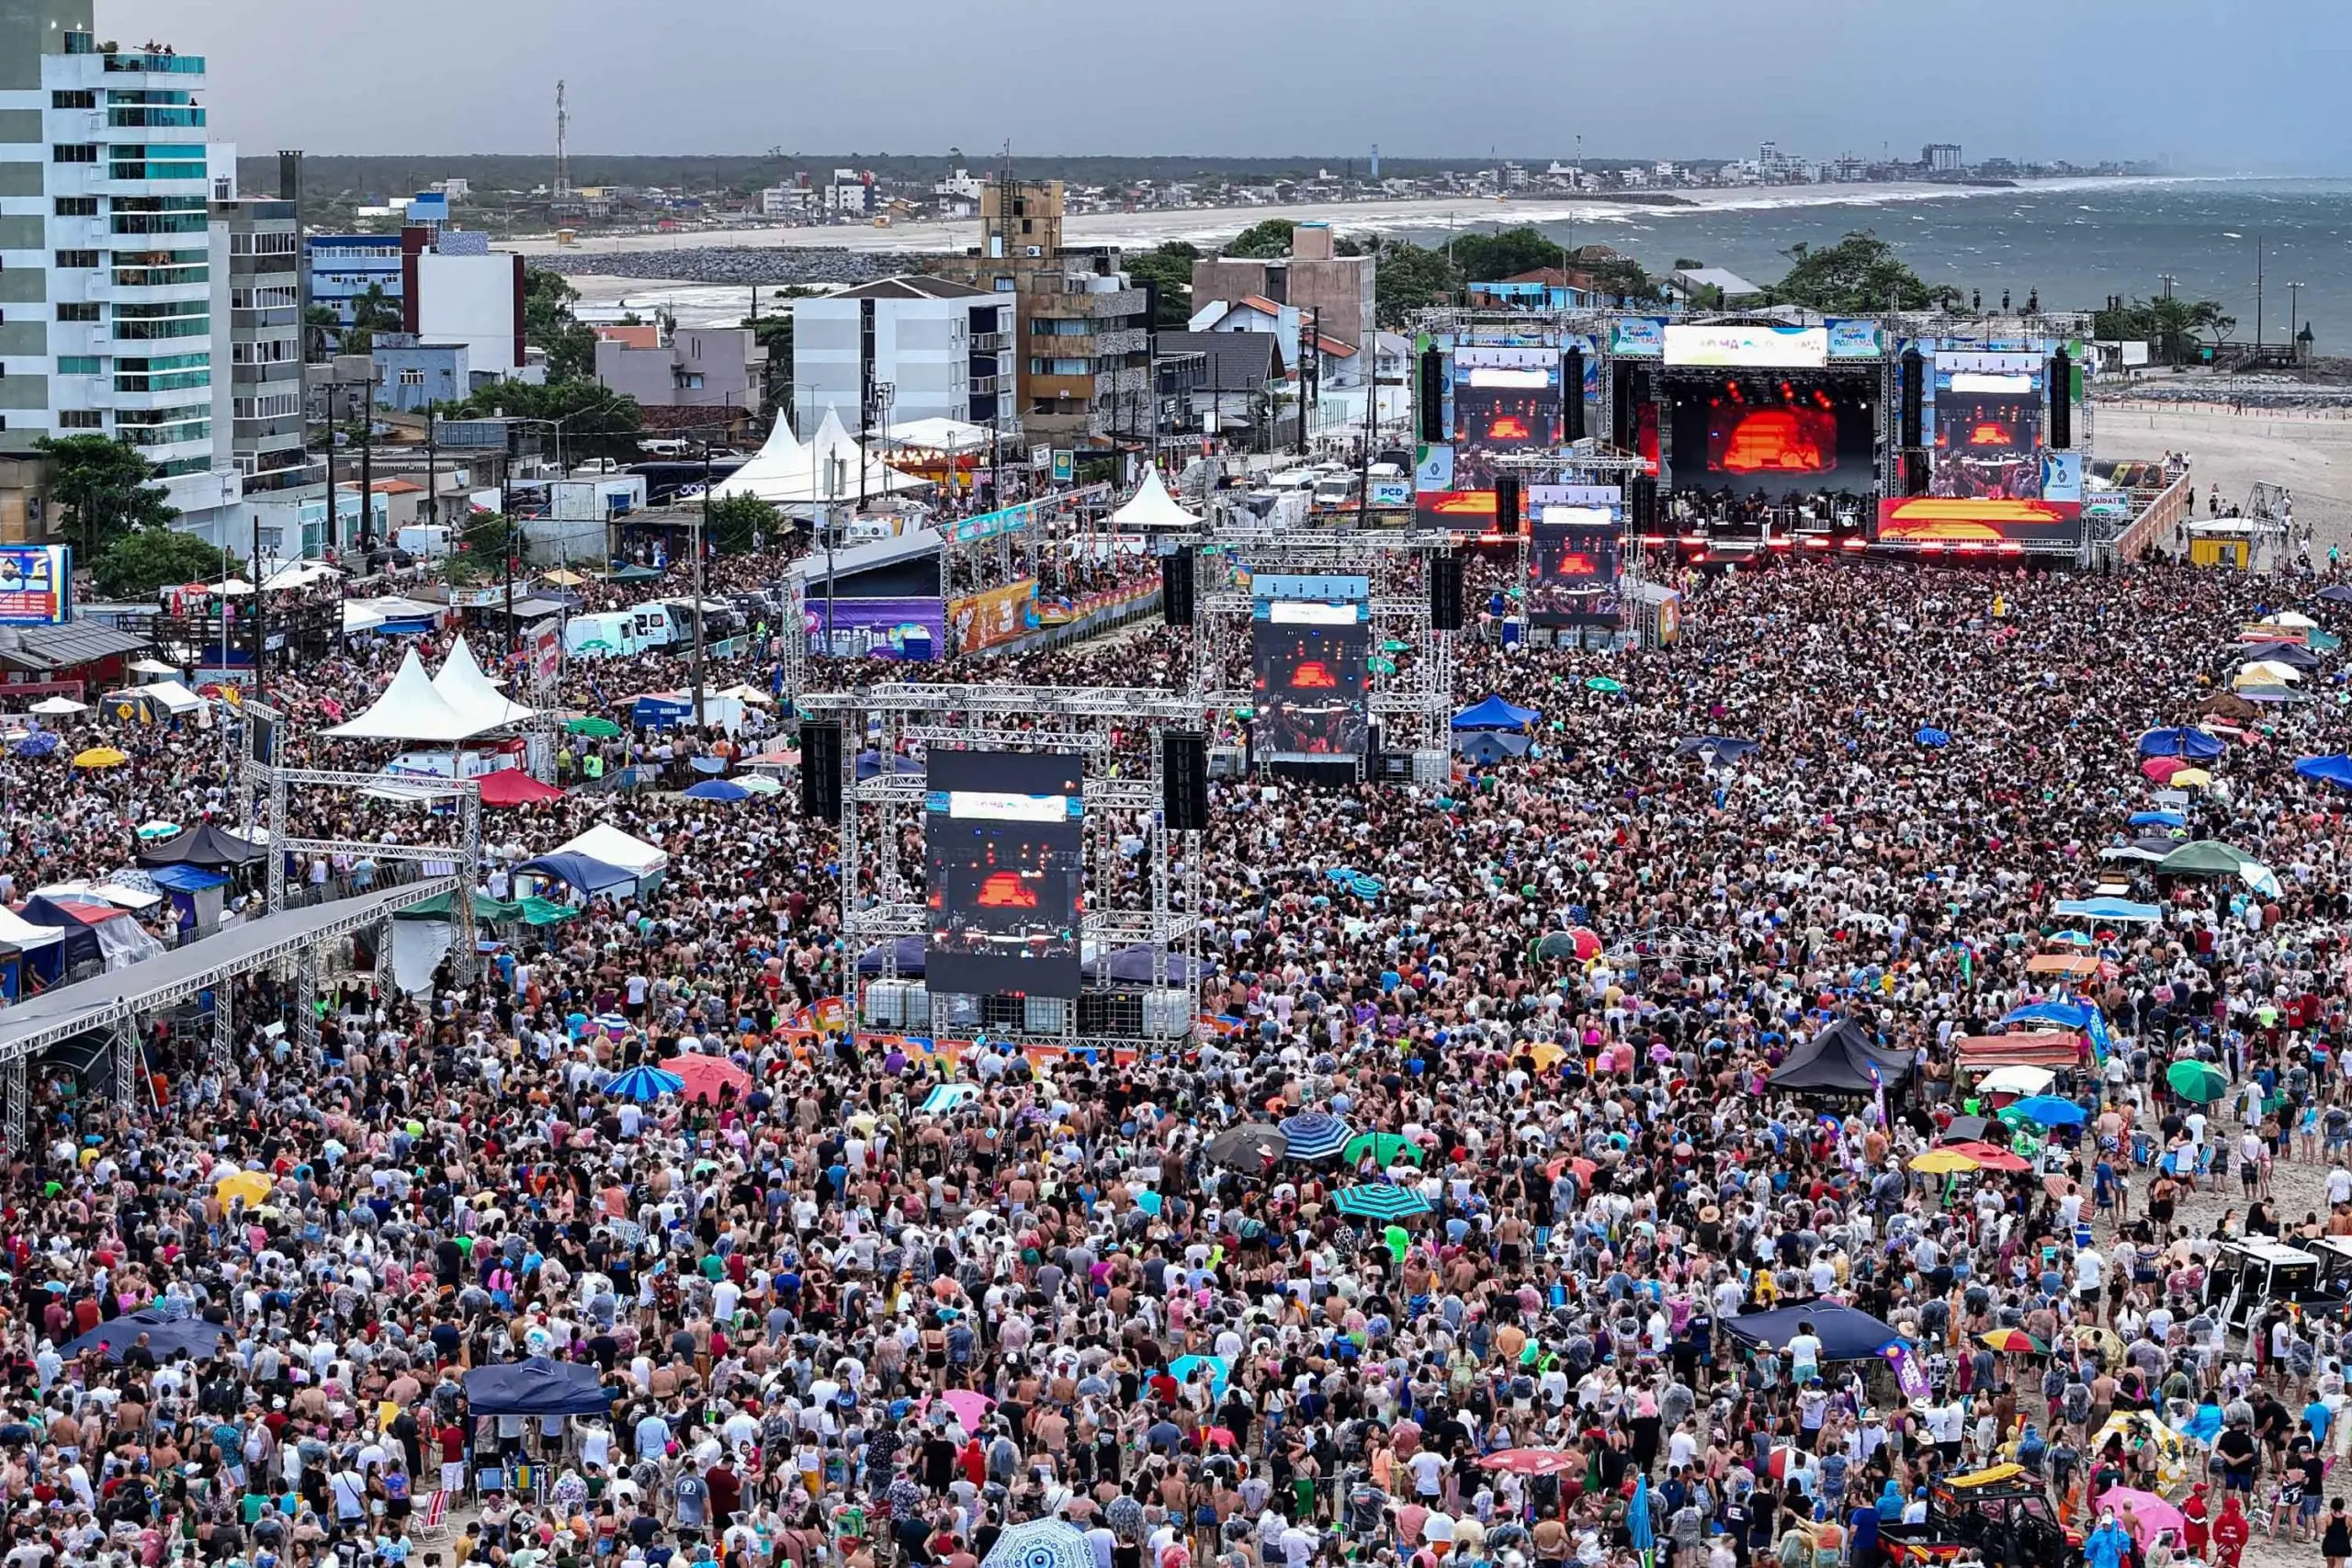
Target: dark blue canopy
{"points": [[911, 956], [167, 1336], [1487, 748], [1495, 714], [587, 874], [1722, 748], [78, 945], [2193, 743], [537, 1387], [869, 763], [1846, 1333], [1132, 965], [2335, 770]]}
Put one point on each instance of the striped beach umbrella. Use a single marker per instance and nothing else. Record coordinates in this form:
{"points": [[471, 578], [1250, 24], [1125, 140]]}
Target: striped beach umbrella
{"points": [[1380, 1200], [644, 1084], [1315, 1134]]}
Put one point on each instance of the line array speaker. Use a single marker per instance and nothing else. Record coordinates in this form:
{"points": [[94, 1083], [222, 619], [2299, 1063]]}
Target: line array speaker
{"points": [[820, 769], [1176, 587], [1432, 395], [1185, 780], [1507, 504], [1446, 593]]}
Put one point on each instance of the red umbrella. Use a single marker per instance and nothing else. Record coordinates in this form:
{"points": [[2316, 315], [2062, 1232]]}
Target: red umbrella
{"points": [[705, 1075], [512, 786], [2162, 768], [1531, 1461], [1587, 943], [1991, 1156]]}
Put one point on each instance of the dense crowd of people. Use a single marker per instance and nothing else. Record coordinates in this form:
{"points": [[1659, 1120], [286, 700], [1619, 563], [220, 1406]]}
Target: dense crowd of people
{"points": [[847, 1321]]}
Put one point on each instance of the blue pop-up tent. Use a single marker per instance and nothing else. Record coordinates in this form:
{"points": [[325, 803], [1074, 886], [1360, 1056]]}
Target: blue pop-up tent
{"points": [[1495, 714], [167, 1336], [580, 871], [2335, 770], [2192, 743], [537, 1387], [1847, 1334], [1487, 748], [1716, 747]]}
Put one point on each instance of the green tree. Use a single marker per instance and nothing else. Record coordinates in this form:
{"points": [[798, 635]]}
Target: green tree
{"points": [[1858, 275], [774, 334], [1405, 279], [549, 324], [1167, 267], [107, 487], [736, 521], [1620, 280], [2206, 316], [594, 420], [1261, 240], [1491, 258], [140, 562]]}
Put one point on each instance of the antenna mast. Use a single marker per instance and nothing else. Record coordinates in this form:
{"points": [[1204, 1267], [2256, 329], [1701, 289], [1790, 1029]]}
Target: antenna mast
{"points": [[562, 153]]}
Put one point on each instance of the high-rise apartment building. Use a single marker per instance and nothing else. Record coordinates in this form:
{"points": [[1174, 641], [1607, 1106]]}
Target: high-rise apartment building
{"points": [[107, 309]]}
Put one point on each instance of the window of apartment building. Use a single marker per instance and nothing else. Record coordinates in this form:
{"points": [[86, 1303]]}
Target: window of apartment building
{"points": [[687, 381], [275, 405], [79, 364], [163, 373], [164, 319], [276, 296], [261, 351], [78, 312], [73, 152], [412, 377], [77, 206], [72, 259], [73, 98], [81, 419], [250, 244], [161, 269]]}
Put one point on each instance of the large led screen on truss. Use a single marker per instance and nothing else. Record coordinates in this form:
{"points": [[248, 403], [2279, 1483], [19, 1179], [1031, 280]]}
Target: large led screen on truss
{"points": [[1003, 841], [1311, 666]]}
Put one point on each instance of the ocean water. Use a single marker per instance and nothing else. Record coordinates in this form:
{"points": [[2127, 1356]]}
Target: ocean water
{"points": [[2077, 243]]}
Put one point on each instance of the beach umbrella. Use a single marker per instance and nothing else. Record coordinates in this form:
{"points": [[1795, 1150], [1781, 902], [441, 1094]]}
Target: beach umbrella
{"points": [[157, 829], [1531, 1461], [253, 1185], [1253, 1145], [594, 728], [1315, 1134], [2200, 1082], [1385, 1148], [706, 1076], [2048, 1110], [2161, 769], [1040, 1543], [724, 790], [2335, 594], [2146, 1507], [40, 743], [1218, 1369], [1379, 1201], [58, 707], [644, 1084], [101, 757], [2206, 857], [1713, 748], [1603, 683], [2294, 620], [1640, 1529], [1990, 1157], [2012, 1341], [1942, 1162], [2178, 743], [1931, 737], [2266, 673], [2016, 1080], [759, 784], [2159, 818], [2259, 877], [2072, 939], [970, 1406], [2192, 778], [1783, 1457]]}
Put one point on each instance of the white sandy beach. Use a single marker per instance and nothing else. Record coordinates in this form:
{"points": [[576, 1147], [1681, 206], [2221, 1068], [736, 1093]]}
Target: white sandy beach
{"points": [[2309, 452], [1198, 224]]}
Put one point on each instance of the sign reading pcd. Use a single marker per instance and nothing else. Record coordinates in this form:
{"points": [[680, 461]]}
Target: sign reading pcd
{"points": [[36, 585]]}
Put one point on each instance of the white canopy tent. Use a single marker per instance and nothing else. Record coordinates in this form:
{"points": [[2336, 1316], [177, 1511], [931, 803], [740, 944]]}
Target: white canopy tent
{"points": [[771, 465], [1153, 507], [465, 688], [826, 470], [609, 844], [952, 437], [172, 695], [299, 575], [16, 928], [412, 709]]}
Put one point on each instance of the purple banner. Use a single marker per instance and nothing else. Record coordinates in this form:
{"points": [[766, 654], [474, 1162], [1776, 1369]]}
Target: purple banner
{"points": [[879, 629]]}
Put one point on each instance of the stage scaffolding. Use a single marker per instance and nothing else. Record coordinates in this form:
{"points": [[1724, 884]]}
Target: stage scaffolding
{"points": [[1414, 705], [882, 825]]}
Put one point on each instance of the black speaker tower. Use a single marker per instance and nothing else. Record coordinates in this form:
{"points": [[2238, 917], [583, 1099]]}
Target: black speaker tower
{"points": [[1507, 504], [1446, 593], [1914, 366], [820, 769], [1572, 395], [1185, 780], [1176, 587], [2062, 401], [1432, 395]]}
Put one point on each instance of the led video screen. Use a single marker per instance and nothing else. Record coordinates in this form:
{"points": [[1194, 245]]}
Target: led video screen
{"points": [[1505, 400], [1572, 575], [1003, 844], [1776, 441], [1311, 669]]}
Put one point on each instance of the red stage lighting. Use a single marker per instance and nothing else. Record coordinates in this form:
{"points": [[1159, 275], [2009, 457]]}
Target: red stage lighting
{"points": [[1314, 675], [1006, 890], [1990, 433], [1508, 427], [1780, 441]]}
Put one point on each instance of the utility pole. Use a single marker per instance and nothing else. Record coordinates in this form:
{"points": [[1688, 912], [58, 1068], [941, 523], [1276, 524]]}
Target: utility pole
{"points": [[2257, 293], [261, 635], [2295, 307], [367, 468], [432, 466], [702, 523], [333, 495]]}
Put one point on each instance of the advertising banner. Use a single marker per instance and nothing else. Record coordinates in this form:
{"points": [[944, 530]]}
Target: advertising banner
{"points": [[543, 650], [1003, 842], [1637, 337], [1854, 340], [1302, 585], [1748, 347], [995, 617], [1609, 497], [1392, 494], [879, 628], [36, 585], [1065, 465]]}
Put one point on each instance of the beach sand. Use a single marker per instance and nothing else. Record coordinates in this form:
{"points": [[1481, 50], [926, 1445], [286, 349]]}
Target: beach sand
{"points": [[2309, 452]]}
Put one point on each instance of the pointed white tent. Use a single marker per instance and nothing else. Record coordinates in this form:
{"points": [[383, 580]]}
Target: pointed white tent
{"points": [[1153, 507], [826, 470], [465, 688], [411, 709], [771, 466]]}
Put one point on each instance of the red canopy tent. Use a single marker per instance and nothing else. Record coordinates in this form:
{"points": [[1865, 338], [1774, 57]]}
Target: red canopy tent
{"points": [[512, 786]]}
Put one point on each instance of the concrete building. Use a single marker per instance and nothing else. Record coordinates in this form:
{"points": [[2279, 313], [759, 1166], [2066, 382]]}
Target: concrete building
{"points": [[1082, 353], [698, 368], [939, 347], [1337, 288], [343, 267], [258, 294], [454, 288], [1942, 157], [412, 375], [106, 322]]}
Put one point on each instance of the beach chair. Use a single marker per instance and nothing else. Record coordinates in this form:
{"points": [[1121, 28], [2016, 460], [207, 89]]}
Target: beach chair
{"points": [[432, 1522]]}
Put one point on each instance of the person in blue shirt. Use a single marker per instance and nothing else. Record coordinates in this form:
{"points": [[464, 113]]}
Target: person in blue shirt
{"points": [[2109, 1546]]}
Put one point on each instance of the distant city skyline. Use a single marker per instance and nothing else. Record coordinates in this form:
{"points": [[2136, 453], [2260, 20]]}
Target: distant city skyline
{"points": [[2092, 81]]}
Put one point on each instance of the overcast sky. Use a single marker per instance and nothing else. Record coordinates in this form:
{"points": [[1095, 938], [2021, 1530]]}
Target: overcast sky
{"points": [[2211, 85]]}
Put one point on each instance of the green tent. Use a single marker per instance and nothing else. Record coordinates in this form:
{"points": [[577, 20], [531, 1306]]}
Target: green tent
{"points": [[532, 911], [600, 728], [2206, 857]]}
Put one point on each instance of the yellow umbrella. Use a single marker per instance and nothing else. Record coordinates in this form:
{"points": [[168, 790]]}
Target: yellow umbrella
{"points": [[101, 757], [2190, 778], [1543, 1052], [252, 1186], [1942, 1162]]}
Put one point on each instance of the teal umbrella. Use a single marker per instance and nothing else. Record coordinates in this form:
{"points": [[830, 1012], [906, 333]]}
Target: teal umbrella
{"points": [[1379, 1201]]}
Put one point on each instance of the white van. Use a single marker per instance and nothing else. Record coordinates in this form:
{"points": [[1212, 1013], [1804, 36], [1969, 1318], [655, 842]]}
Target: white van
{"points": [[657, 627], [604, 635], [424, 541]]}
